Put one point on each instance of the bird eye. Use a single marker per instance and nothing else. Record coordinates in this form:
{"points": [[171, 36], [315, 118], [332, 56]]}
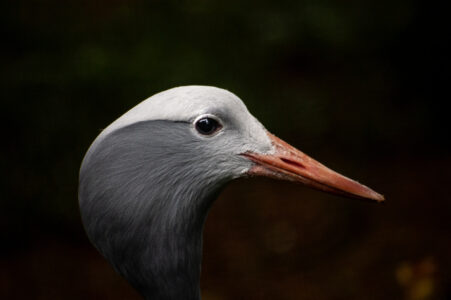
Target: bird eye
{"points": [[207, 126]]}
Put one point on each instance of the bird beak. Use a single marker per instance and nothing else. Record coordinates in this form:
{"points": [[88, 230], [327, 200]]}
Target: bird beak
{"points": [[289, 163]]}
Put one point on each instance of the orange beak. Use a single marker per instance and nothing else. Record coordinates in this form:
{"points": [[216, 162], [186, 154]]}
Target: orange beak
{"points": [[291, 164]]}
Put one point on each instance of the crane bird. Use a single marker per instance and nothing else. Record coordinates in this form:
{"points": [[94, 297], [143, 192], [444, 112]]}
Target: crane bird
{"points": [[148, 180]]}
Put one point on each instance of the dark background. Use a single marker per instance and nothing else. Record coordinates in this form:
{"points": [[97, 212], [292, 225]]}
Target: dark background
{"points": [[361, 86]]}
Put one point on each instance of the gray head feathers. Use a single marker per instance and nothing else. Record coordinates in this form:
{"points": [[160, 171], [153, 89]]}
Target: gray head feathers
{"points": [[148, 180]]}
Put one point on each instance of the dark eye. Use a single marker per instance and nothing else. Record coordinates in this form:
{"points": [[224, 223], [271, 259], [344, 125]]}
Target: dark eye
{"points": [[207, 126]]}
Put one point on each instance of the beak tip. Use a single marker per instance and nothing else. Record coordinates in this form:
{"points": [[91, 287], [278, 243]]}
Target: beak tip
{"points": [[378, 197]]}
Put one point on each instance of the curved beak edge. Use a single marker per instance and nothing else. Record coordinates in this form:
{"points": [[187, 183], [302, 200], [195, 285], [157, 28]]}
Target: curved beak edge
{"points": [[288, 163]]}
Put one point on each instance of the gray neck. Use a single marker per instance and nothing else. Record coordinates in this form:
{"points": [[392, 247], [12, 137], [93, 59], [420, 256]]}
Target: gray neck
{"points": [[162, 260], [142, 214]]}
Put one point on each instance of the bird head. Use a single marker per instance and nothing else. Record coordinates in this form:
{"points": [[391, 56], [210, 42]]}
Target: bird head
{"points": [[149, 178], [215, 131]]}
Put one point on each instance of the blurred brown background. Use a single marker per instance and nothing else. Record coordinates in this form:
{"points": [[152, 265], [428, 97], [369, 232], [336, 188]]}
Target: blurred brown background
{"points": [[359, 85]]}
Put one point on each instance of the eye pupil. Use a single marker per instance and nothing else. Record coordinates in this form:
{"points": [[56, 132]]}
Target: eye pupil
{"points": [[207, 126]]}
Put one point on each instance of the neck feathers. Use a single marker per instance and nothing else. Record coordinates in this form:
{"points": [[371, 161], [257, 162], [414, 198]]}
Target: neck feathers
{"points": [[142, 211]]}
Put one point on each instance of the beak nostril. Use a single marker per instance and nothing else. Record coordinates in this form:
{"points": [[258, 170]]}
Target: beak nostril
{"points": [[293, 163]]}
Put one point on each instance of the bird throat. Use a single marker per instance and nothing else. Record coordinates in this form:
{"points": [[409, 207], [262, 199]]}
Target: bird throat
{"points": [[141, 211], [164, 261]]}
